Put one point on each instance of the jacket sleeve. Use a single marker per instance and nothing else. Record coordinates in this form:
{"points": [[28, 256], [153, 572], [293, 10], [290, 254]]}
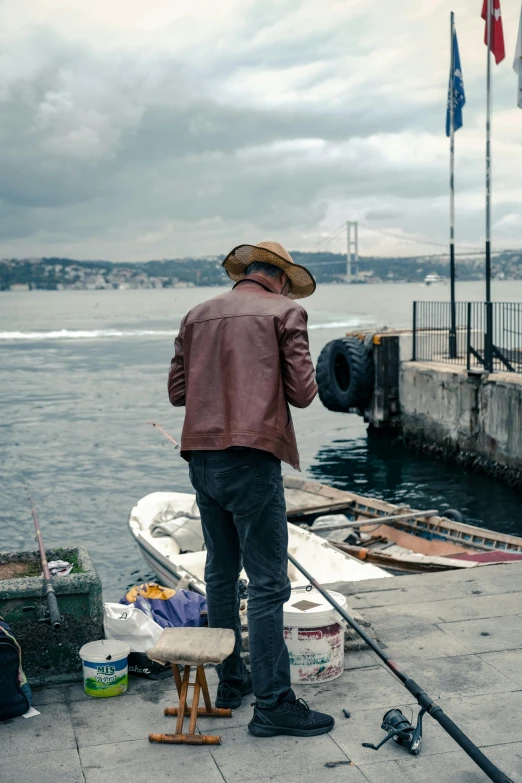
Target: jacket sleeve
{"points": [[296, 362], [176, 383]]}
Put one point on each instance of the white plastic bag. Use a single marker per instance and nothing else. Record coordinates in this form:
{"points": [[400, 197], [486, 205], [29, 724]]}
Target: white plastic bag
{"points": [[131, 625]]}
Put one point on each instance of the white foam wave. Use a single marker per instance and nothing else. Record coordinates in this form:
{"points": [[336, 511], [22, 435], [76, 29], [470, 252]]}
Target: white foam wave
{"points": [[87, 334], [340, 324], [94, 334]]}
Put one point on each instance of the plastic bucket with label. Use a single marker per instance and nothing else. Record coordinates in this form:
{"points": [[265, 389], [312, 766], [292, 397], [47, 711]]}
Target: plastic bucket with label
{"points": [[105, 667], [314, 635]]}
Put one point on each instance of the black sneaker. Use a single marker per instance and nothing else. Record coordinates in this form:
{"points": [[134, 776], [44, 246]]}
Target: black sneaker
{"points": [[292, 717], [230, 694]]}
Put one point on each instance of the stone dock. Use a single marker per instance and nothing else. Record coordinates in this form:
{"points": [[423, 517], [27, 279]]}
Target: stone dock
{"points": [[459, 634], [474, 418]]}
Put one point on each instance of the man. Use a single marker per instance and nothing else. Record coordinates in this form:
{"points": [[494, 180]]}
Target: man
{"points": [[240, 360]]}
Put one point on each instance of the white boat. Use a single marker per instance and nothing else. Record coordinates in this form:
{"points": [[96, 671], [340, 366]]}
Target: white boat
{"points": [[178, 559], [433, 279]]}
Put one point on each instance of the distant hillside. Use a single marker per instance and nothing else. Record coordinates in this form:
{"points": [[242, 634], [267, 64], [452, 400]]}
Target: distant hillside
{"points": [[67, 274]]}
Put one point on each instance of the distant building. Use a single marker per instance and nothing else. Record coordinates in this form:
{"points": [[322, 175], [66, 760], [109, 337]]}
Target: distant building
{"points": [[19, 287]]}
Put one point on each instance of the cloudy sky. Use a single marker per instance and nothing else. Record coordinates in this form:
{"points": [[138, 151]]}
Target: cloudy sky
{"points": [[138, 129]]}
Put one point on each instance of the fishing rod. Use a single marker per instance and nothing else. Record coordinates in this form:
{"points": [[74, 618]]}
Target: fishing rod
{"points": [[55, 619], [160, 428], [394, 722]]}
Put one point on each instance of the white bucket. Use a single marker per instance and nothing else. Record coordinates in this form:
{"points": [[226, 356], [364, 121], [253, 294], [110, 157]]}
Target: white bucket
{"points": [[105, 667], [314, 635]]}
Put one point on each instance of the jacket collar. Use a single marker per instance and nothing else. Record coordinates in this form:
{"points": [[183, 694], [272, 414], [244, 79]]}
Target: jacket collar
{"points": [[259, 280]]}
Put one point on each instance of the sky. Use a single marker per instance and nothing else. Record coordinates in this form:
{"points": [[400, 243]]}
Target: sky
{"points": [[133, 130]]}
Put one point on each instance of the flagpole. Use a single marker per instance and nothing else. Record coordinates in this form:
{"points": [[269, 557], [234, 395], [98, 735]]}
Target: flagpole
{"points": [[453, 327], [488, 347]]}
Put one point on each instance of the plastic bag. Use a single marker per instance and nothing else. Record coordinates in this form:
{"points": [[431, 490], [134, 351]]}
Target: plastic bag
{"points": [[130, 625], [169, 608]]}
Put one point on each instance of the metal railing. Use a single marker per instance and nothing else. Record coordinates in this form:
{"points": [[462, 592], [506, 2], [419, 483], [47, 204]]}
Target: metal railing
{"points": [[477, 335]]}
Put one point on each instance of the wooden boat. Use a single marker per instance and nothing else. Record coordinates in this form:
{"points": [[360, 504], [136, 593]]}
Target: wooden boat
{"points": [[370, 545], [177, 566], [414, 544]]}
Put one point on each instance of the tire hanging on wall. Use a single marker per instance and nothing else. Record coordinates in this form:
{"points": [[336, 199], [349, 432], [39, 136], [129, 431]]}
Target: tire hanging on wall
{"points": [[345, 374]]}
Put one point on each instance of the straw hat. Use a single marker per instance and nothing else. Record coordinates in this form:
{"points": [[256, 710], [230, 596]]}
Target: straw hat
{"points": [[301, 280]]}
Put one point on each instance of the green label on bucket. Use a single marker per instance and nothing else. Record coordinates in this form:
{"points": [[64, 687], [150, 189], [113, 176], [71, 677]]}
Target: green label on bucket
{"points": [[112, 686]]}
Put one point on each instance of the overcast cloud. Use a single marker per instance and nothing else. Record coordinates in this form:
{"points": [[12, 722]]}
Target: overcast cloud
{"points": [[132, 130]]}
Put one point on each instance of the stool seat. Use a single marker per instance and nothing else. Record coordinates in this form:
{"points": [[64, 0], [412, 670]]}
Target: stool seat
{"points": [[193, 646]]}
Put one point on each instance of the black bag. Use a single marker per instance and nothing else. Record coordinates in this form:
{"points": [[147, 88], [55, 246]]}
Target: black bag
{"points": [[141, 666], [15, 694]]}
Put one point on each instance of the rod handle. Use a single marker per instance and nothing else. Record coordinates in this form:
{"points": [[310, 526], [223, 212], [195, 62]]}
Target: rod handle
{"points": [[54, 611]]}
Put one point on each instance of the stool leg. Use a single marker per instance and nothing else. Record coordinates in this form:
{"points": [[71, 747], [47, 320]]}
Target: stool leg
{"points": [[194, 710], [177, 677], [202, 678], [211, 712], [183, 700]]}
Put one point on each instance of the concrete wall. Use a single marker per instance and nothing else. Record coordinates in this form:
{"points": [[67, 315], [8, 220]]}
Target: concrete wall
{"points": [[479, 414]]}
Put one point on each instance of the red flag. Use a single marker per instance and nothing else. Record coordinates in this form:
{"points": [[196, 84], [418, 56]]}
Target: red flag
{"points": [[497, 33]]}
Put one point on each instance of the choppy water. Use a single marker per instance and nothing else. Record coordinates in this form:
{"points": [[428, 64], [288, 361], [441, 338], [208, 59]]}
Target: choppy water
{"points": [[81, 372]]}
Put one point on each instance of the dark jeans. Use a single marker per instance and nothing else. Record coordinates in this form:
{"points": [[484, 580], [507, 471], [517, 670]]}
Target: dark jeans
{"points": [[242, 504]]}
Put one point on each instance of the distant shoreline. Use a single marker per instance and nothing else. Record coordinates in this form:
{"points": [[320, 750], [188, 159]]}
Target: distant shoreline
{"points": [[48, 274]]}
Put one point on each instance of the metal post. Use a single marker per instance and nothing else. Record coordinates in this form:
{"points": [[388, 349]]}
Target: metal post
{"points": [[468, 339], [453, 327], [348, 252], [356, 246], [488, 337], [414, 346]]}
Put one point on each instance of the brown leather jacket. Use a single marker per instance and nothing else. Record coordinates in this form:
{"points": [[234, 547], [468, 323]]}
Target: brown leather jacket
{"points": [[240, 358]]}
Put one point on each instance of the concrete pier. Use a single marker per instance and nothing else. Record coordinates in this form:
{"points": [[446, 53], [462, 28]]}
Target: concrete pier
{"points": [[459, 634], [474, 417]]}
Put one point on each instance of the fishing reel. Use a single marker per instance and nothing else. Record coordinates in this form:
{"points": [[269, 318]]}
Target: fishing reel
{"points": [[399, 728]]}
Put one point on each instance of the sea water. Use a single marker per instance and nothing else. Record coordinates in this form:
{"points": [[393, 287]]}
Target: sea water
{"points": [[81, 372]]}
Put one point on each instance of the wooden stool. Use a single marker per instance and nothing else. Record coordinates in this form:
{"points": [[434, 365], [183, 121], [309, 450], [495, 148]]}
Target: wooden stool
{"points": [[192, 647]]}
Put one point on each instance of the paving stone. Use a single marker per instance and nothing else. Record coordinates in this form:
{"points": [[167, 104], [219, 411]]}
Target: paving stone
{"points": [[49, 695], [494, 720], [459, 768], [410, 615], [129, 717], [55, 766], [489, 634], [246, 759], [459, 674], [365, 726], [508, 662], [446, 768], [52, 730], [507, 757], [421, 641], [385, 772], [141, 760], [357, 689], [476, 607], [429, 588], [360, 659]]}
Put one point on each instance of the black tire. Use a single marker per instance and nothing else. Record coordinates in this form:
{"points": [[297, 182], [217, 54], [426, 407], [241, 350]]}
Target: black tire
{"points": [[453, 514], [345, 374]]}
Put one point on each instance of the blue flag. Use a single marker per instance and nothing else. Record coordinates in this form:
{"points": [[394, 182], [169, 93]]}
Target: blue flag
{"points": [[456, 88]]}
